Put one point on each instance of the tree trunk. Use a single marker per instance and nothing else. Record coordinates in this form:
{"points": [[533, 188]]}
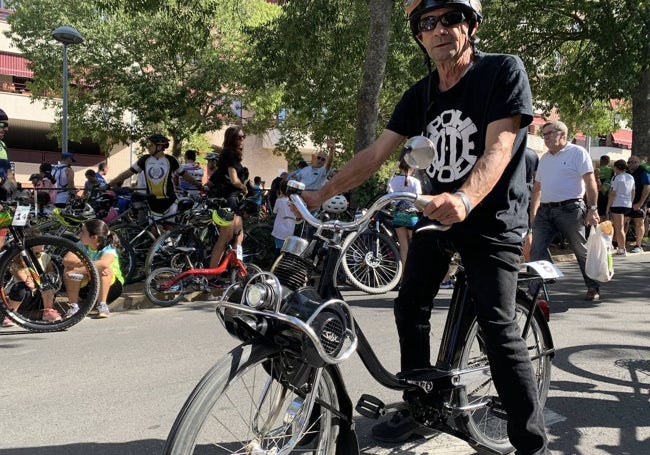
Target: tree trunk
{"points": [[641, 116], [373, 73]]}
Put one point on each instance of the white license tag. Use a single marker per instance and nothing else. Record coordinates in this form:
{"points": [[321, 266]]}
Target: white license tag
{"points": [[545, 269], [21, 215]]}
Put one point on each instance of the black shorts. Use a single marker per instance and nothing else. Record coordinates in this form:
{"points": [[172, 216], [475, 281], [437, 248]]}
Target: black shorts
{"points": [[620, 210], [233, 202], [637, 213], [20, 293]]}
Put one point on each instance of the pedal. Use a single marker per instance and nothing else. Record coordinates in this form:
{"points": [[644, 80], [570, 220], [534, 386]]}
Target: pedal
{"points": [[371, 407]]}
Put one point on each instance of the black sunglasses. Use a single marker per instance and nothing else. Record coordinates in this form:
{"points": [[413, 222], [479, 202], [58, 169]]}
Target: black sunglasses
{"points": [[449, 19], [4, 124]]}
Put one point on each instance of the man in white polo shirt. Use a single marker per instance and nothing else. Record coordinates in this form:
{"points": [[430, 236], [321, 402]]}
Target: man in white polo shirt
{"points": [[314, 176], [564, 199]]}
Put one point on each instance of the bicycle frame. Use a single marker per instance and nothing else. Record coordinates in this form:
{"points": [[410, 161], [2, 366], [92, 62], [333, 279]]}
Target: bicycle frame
{"points": [[290, 320], [229, 258]]}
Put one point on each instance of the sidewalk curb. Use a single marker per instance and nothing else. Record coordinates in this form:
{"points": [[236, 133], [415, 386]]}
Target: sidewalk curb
{"points": [[133, 297]]}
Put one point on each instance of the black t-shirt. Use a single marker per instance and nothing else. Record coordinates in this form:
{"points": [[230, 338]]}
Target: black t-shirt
{"points": [[532, 161], [220, 179], [495, 87], [641, 179]]}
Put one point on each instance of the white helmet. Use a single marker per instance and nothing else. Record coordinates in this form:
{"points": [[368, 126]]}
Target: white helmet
{"points": [[336, 204]]}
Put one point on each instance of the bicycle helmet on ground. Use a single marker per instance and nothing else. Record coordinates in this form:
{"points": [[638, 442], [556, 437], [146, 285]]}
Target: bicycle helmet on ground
{"points": [[223, 216], [336, 204]]}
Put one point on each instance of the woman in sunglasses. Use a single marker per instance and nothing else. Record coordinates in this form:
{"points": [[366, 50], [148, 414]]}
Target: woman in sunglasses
{"points": [[229, 181]]}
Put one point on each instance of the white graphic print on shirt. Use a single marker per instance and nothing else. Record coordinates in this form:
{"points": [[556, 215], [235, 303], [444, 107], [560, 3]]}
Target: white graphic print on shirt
{"points": [[451, 133]]}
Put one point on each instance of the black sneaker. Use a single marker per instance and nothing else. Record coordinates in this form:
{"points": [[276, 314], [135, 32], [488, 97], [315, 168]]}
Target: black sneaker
{"points": [[400, 427]]}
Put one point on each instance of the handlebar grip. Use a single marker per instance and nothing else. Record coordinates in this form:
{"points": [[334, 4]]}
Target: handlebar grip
{"points": [[429, 225]]}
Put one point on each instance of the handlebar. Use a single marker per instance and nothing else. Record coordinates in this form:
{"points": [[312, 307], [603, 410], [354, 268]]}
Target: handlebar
{"points": [[379, 204]]}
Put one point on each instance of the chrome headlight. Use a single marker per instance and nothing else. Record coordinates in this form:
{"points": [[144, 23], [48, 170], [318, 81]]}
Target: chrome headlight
{"points": [[260, 295]]}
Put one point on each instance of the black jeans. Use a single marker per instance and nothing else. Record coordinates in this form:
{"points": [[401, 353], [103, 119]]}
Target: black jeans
{"points": [[491, 269]]}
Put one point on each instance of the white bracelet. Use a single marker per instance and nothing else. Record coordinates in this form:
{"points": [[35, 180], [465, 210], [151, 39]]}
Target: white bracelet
{"points": [[466, 202]]}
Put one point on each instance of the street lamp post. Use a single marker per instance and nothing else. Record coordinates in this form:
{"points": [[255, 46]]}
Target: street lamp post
{"points": [[66, 35]]}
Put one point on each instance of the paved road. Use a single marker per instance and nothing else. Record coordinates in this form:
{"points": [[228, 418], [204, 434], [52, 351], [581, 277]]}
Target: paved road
{"points": [[114, 386]]}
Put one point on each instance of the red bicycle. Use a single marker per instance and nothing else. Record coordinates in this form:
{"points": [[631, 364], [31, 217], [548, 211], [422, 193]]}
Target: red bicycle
{"points": [[166, 286]]}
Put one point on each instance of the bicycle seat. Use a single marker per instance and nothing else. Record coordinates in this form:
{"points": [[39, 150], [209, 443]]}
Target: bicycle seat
{"points": [[74, 217]]}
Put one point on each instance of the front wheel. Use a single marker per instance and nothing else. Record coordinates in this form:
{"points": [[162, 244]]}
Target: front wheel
{"points": [[46, 307], [259, 245], [244, 404], [487, 421]]}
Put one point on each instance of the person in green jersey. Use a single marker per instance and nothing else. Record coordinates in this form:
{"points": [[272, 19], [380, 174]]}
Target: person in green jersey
{"points": [[100, 244]]}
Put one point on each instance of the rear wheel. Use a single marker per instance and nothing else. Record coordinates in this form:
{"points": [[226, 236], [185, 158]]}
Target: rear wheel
{"points": [[159, 296], [246, 404], [371, 262], [487, 423], [49, 295]]}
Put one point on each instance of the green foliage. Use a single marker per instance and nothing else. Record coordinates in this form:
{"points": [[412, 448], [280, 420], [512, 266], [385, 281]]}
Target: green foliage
{"points": [[579, 54], [175, 65], [312, 55]]}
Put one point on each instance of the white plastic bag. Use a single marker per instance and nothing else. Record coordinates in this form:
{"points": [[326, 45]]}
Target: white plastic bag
{"points": [[599, 265]]}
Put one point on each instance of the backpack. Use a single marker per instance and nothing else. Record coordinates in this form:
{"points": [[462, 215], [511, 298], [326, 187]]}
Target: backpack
{"points": [[58, 171]]}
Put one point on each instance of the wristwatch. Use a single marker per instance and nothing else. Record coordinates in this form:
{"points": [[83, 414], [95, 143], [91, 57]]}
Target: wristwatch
{"points": [[593, 207]]}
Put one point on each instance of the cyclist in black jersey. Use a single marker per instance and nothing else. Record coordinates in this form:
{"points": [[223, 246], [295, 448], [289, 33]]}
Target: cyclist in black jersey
{"points": [[159, 170]]}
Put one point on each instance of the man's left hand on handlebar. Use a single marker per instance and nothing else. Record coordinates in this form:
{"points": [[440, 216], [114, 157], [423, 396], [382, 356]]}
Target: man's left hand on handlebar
{"points": [[446, 208]]}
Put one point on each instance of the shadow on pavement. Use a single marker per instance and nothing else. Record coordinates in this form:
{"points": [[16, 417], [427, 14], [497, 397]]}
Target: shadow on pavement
{"points": [[145, 447], [611, 391]]}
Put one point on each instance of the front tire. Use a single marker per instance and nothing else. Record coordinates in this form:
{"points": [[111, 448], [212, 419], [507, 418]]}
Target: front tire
{"points": [[488, 424], [30, 314], [242, 405]]}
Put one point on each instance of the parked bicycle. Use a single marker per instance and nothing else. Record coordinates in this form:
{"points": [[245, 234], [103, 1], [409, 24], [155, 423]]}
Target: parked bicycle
{"points": [[282, 392], [141, 237], [166, 286], [32, 288], [371, 260], [200, 233]]}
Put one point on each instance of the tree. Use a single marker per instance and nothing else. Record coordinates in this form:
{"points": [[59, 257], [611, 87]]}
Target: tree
{"points": [[336, 68], [168, 65], [325, 60], [580, 55]]}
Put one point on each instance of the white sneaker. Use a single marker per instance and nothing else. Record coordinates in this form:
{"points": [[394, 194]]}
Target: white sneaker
{"points": [[72, 310], [102, 308], [621, 252]]}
